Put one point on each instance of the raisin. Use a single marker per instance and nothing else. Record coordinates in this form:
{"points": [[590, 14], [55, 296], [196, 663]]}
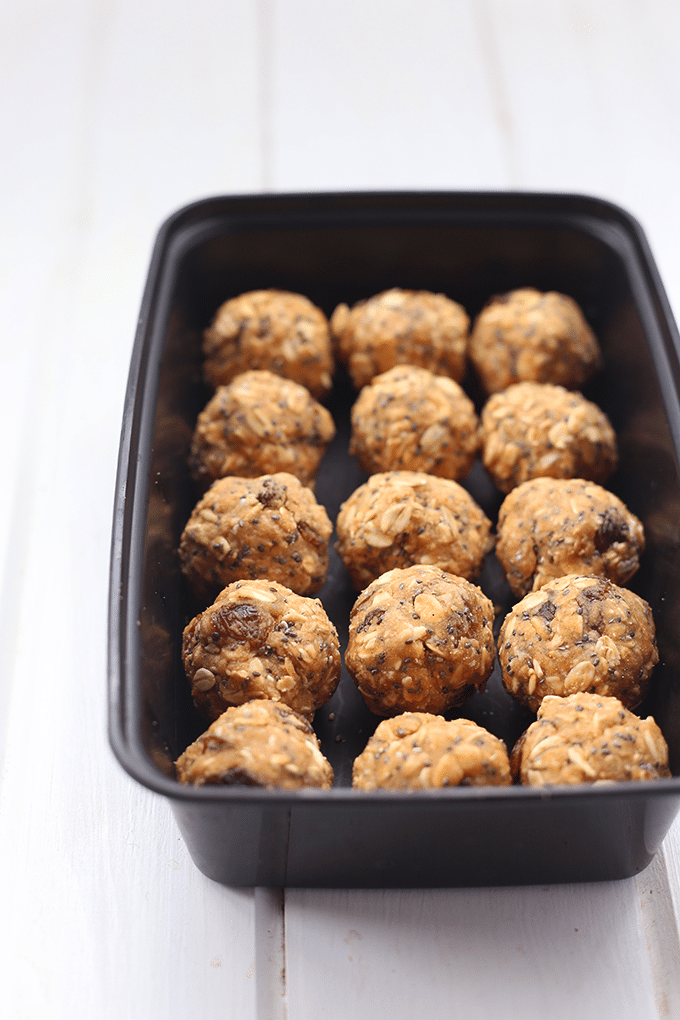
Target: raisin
{"points": [[613, 528], [240, 622]]}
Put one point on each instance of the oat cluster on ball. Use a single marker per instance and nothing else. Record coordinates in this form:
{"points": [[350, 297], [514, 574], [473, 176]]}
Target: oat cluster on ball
{"points": [[260, 424], [534, 430], [408, 418], [255, 528], [527, 335], [420, 640], [261, 640], [402, 518], [273, 330], [260, 743], [548, 527], [589, 738], [578, 633], [422, 751], [401, 327]]}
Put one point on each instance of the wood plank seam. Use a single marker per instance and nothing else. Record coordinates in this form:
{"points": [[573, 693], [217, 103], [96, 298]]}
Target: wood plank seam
{"points": [[270, 955], [660, 929]]}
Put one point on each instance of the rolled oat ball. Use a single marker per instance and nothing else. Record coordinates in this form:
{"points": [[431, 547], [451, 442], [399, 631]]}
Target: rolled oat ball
{"points": [[267, 527], [420, 640], [261, 640], [260, 424], [401, 327], [527, 335], [260, 743], [534, 430], [410, 419], [578, 633], [273, 330], [553, 526], [402, 518], [588, 738], [421, 751]]}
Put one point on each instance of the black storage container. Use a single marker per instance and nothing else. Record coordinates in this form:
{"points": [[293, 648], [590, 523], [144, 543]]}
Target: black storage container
{"points": [[343, 247]]}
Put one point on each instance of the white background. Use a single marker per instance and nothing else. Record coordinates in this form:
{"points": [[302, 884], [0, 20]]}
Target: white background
{"points": [[112, 115]]}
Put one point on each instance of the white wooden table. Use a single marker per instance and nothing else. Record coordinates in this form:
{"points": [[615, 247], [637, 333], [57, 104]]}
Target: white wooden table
{"points": [[113, 113]]}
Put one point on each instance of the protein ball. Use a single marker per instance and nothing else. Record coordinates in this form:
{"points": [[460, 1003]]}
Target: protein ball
{"points": [[527, 335], [588, 738], [534, 430], [257, 744], [408, 418], [268, 527], [260, 424], [421, 751], [274, 330], [401, 327], [261, 640], [420, 640], [553, 526], [578, 633], [402, 518]]}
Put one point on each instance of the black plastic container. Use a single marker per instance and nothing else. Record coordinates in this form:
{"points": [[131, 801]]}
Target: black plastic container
{"points": [[344, 247]]}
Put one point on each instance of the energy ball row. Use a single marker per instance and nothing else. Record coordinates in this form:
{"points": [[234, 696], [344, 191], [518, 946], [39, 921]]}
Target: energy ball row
{"points": [[406, 419], [583, 738], [523, 335], [273, 527]]}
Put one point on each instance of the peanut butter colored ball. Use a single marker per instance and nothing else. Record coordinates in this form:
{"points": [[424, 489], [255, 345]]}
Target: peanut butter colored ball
{"points": [[589, 738], [261, 640], [273, 330], [408, 418], [578, 634], [401, 327], [267, 527], [260, 743], [403, 518], [421, 751], [527, 335], [260, 424], [534, 430], [420, 640], [553, 526]]}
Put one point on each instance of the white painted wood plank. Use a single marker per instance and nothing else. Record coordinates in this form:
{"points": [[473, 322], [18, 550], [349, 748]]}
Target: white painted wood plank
{"points": [[566, 96], [38, 243], [559, 951], [118, 113], [178, 109], [382, 95], [593, 95]]}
